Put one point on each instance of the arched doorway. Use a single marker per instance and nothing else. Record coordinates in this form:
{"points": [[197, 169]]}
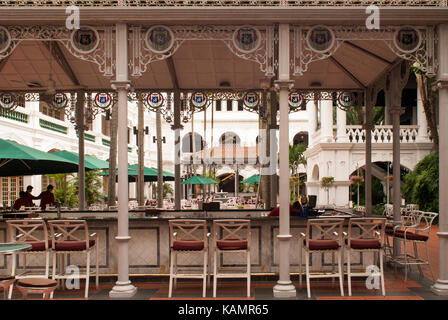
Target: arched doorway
{"points": [[227, 182], [187, 143], [229, 138], [301, 137]]}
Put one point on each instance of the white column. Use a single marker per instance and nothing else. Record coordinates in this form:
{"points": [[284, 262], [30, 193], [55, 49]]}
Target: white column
{"points": [[326, 120], [284, 286], [312, 120], [441, 286], [123, 287], [422, 135], [341, 118]]}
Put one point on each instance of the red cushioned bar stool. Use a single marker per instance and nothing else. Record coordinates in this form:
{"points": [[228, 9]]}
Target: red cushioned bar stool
{"points": [[33, 232], [415, 234], [327, 238], [187, 237], [365, 235], [70, 237], [37, 286], [231, 236]]}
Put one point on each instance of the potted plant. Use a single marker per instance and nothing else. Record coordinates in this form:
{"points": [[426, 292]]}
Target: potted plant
{"points": [[358, 179], [327, 182]]}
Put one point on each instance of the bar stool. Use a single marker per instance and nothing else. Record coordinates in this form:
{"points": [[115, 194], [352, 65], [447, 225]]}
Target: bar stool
{"points": [[328, 239], [187, 236], [32, 232], [6, 282], [231, 236], [369, 239], [417, 233], [37, 286], [72, 237]]}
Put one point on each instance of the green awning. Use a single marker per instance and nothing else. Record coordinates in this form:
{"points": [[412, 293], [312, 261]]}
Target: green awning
{"points": [[199, 180], [19, 160], [90, 162], [252, 179], [150, 174]]}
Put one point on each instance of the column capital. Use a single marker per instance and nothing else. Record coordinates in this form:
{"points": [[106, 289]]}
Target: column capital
{"points": [[175, 127], [120, 84], [283, 84]]}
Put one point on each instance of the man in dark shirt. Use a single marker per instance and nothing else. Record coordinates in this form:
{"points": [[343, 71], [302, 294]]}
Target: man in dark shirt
{"points": [[46, 197], [22, 201], [29, 196]]}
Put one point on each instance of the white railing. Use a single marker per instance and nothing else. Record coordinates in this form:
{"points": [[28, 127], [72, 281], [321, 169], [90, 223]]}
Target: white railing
{"points": [[223, 3], [382, 134]]}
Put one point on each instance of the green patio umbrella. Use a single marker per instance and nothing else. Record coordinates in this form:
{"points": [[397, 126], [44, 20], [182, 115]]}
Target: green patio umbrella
{"points": [[252, 179], [90, 162], [150, 174], [19, 160], [199, 180]]}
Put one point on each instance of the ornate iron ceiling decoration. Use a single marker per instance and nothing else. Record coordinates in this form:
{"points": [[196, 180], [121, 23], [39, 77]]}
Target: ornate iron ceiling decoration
{"points": [[87, 43], [416, 44], [160, 42]]}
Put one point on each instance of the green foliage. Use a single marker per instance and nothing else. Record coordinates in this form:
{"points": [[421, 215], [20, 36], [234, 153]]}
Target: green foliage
{"points": [[327, 182], [93, 185], [71, 197], [421, 186], [167, 189], [378, 196], [377, 116], [296, 156]]}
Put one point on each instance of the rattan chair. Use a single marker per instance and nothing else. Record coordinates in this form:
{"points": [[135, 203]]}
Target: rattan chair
{"points": [[370, 238], [187, 236], [72, 237], [231, 236], [327, 239], [33, 232]]}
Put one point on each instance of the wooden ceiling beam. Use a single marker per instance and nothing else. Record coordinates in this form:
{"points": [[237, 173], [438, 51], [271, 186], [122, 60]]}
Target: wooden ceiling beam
{"points": [[374, 55], [348, 73], [59, 57]]}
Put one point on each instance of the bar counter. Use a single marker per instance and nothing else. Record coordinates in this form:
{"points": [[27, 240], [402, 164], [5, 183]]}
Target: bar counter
{"points": [[149, 244]]}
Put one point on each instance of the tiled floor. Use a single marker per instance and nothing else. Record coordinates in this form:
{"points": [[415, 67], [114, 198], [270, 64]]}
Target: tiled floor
{"points": [[156, 288]]}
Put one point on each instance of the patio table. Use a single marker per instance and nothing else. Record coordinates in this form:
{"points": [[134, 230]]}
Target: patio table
{"points": [[8, 248]]}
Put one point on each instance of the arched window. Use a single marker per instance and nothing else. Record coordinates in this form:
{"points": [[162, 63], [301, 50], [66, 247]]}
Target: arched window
{"points": [[301, 137], [187, 143], [229, 138]]}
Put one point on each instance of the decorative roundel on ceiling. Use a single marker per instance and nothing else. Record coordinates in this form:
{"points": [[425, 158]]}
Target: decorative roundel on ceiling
{"points": [[85, 40], [347, 99], [320, 39], [198, 99], [103, 100], [7, 100], [295, 100], [251, 99], [407, 39], [247, 39], [155, 100], [59, 100], [5, 39], [159, 39]]}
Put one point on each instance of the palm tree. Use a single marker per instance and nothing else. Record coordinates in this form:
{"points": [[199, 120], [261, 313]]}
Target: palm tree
{"points": [[296, 158], [111, 194]]}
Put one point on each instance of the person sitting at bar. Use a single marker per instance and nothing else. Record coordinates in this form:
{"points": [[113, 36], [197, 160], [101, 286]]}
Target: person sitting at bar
{"points": [[22, 201], [46, 198], [303, 206], [29, 196]]}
